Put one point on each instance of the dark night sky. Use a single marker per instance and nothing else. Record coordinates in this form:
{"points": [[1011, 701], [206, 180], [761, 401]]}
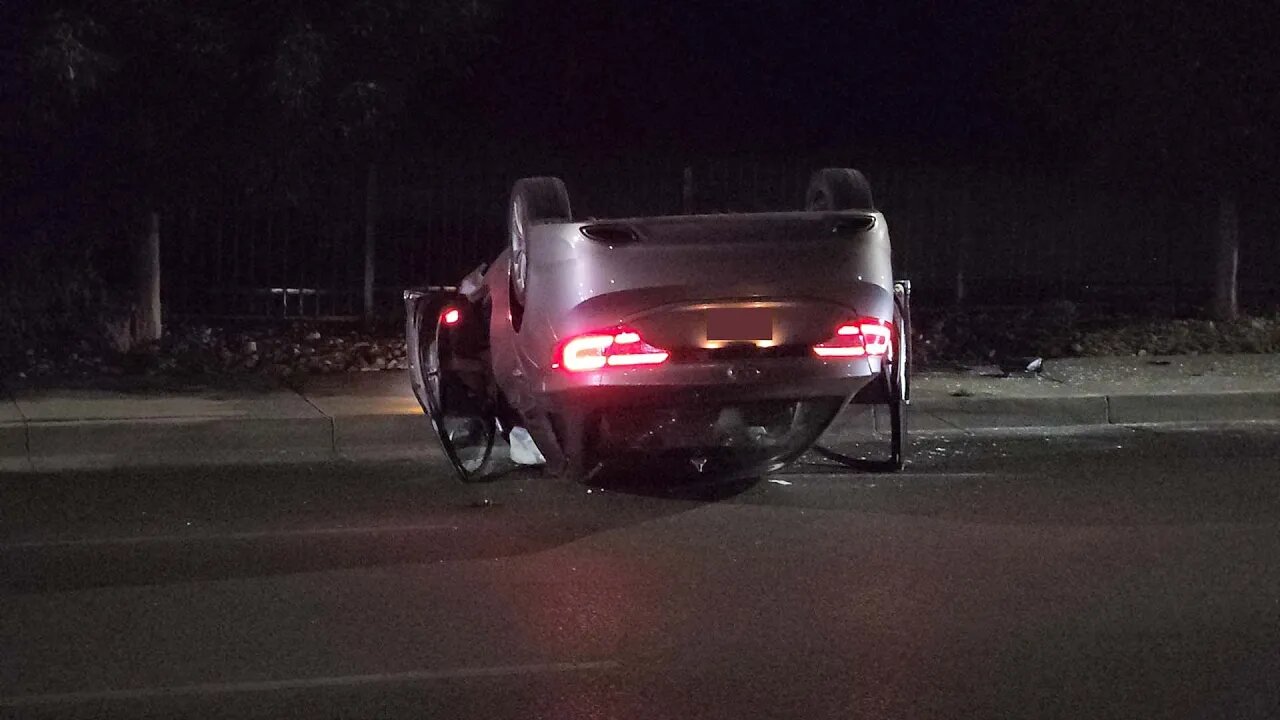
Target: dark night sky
{"points": [[725, 75], [926, 80]]}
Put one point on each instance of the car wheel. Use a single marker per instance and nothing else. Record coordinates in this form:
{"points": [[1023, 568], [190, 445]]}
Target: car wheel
{"points": [[533, 200], [838, 189]]}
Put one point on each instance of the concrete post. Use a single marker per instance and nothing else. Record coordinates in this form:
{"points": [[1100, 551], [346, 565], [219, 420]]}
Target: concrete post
{"points": [[146, 302], [370, 238], [1226, 305], [686, 194]]}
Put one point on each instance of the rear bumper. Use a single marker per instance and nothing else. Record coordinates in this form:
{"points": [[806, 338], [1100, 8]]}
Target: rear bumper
{"points": [[698, 383], [641, 415]]}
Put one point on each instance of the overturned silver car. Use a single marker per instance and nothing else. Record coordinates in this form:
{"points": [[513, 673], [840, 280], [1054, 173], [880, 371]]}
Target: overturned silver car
{"points": [[706, 345]]}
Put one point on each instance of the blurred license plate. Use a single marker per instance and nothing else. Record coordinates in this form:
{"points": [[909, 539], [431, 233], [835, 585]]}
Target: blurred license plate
{"points": [[740, 324]]}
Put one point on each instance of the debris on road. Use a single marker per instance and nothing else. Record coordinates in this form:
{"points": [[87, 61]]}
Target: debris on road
{"points": [[523, 450]]}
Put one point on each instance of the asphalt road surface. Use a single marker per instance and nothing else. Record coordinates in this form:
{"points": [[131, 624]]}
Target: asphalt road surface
{"points": [[1127, 574]]}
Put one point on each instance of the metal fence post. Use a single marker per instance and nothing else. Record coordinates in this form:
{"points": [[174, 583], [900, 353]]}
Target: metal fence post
{"points": [[370, 238], [686, 193], [146, 320], [1226, 302], [965, 241]]}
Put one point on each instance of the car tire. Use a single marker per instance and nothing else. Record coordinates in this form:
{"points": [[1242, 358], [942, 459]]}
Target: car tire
{"points": [[838, 189], [534, 200]]}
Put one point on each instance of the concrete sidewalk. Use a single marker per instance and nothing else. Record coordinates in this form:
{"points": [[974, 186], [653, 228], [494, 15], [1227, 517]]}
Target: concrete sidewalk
{"points": [[154, 422], [1099, 391], [121, 423]]}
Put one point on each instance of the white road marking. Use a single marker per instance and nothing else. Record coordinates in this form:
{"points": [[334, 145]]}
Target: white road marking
{"points": [[302, 683], [256, 535]]}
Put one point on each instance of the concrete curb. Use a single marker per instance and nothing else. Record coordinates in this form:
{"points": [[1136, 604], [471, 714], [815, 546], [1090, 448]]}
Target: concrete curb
{"points": [[13, 447], [966, 413], [100, 443], [1245, 405], [373, 433], [977, 413], [45, 445]]}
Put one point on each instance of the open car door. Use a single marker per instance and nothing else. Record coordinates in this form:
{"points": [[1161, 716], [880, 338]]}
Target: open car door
{"points": [[451, 376]]}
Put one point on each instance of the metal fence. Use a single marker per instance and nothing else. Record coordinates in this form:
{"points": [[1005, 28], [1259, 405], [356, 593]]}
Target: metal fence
{"points": [[981, 236]]}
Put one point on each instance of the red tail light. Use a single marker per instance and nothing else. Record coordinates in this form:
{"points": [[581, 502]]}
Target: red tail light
{"points": [[860, 338], [620, 347], [450, 316]]}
